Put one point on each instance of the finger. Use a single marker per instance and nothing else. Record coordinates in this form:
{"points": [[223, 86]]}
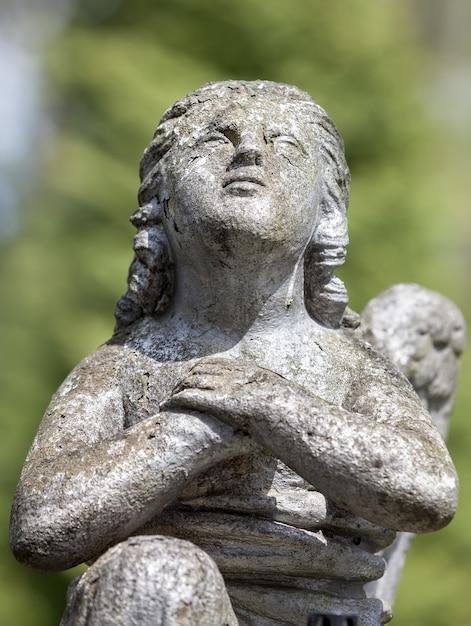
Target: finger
{"points": [[215, 368], [195, 381], [196, 399]]}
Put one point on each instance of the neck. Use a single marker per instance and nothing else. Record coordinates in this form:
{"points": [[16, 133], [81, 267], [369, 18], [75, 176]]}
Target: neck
{"points": [[239, 297]]}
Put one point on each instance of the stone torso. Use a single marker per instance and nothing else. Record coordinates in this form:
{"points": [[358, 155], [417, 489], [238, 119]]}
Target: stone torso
{"points": [[255, 503]]}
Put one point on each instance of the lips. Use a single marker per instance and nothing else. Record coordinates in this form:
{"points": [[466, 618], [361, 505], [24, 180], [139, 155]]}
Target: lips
{"points": [[243, 177]]}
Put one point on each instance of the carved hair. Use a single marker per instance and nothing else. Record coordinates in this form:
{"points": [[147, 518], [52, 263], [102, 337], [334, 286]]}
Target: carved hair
{"points": [[151, 276]]}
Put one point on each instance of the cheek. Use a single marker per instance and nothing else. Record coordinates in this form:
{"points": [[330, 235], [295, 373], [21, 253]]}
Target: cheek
{"points": [[298, 191], [191, 200], [195, 185]]}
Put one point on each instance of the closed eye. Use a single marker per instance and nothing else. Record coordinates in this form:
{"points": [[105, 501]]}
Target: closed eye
{"points": [[214, 138], [287, 145], [287, 140]]}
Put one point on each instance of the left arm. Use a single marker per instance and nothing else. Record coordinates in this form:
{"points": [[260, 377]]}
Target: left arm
{"points": [[381, 457]]}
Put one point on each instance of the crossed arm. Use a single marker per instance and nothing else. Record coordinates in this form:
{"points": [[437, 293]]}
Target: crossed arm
{"points": [[381, 458], [89, 483]]}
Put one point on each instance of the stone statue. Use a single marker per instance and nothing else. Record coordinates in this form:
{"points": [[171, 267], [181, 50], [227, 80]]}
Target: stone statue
{"points": [[236, 453]]}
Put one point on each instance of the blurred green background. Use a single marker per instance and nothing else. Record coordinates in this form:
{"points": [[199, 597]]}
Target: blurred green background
{"points": [[393, 75]]}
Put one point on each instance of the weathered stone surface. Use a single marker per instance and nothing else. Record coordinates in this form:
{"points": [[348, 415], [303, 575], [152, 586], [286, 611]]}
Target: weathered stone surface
{"points": [[232, 410]]}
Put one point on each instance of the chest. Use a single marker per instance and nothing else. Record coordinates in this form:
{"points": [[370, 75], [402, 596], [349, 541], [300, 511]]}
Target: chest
{"points": [[324, 367]]}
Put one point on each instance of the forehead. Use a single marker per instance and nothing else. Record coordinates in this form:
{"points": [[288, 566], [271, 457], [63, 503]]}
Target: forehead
{"points": [[247, 110]]}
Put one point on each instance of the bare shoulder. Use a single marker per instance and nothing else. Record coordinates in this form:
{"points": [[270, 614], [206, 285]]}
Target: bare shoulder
{"points": [[361, 371], [114, 387], [95, 372], [378, 388], [86, 408]]}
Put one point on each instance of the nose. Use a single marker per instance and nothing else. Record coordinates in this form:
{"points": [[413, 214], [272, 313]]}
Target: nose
{"points": [[249, 151]]}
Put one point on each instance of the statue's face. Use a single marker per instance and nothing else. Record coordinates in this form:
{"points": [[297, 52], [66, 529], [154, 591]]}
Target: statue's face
{"points": [[244, 168]]}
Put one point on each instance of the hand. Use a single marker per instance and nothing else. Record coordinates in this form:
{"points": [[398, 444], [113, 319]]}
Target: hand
{"points": [[233, 391]]}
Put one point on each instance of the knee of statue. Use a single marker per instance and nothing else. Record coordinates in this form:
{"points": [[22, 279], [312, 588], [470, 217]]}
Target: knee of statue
{"points": [[151, 581]]}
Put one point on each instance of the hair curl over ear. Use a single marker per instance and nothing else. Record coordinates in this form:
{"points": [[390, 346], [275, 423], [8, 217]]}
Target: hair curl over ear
{"points": [[325, 294], [150, 279], [150, 276]]}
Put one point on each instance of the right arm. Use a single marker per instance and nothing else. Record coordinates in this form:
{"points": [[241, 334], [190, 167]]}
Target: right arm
{"points": [[88, 483]]}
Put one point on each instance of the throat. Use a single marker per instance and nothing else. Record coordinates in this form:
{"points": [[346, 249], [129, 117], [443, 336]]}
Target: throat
{"points": [[240, 302]]}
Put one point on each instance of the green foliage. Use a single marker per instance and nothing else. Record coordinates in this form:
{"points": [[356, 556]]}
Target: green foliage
{"points": [[109, 83]]}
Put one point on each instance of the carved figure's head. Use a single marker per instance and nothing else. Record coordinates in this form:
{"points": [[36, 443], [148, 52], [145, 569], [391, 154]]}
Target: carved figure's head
{"points": [[423, 334], [150, 280]]}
